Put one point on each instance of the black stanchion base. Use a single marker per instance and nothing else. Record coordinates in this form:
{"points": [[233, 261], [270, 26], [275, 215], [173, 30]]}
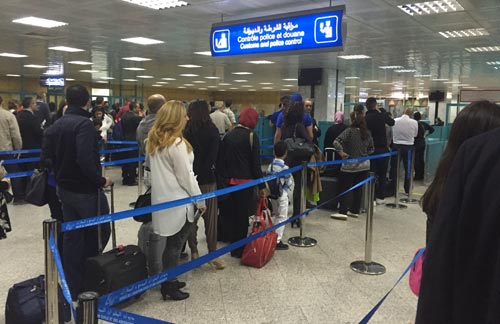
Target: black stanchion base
{"points": [[302, 241], [409, 200], [396, 206], [368, 268]]}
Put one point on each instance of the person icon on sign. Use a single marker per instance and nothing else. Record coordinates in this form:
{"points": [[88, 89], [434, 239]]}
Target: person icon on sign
{"points": [[221, 43], [326, 28]]}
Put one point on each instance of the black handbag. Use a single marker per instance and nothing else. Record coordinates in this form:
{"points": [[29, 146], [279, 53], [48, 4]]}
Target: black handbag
{"points": [[298, 148], [144, 201], [37, 188]]}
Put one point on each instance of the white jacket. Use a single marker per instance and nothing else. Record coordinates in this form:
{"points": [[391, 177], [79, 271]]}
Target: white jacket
{"points": [[172, 178], [107, 122]]}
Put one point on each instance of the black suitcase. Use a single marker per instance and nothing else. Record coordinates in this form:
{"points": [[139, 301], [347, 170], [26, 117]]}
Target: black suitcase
{"points": [[115, 269], [26, 303], [330, 182]]}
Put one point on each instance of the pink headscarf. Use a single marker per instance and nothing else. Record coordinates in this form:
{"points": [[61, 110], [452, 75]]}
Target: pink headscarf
{"points": [[339, 117]]}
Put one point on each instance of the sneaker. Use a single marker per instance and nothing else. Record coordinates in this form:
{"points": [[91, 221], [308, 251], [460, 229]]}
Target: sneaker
{"points": [[281, 246], [380, 201], [339, 216], [354, 215]]}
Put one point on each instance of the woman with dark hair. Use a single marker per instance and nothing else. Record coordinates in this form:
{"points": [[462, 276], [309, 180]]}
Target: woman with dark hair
{"points": [[460, 278], [356, 141], [293, 126], [203, 136]]}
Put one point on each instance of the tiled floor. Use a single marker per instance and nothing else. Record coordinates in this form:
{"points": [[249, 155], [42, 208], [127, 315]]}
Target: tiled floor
{"points": [[301, 285]]}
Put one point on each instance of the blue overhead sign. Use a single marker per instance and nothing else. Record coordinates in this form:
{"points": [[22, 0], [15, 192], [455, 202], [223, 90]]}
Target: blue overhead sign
{"points": [[311, 31]]}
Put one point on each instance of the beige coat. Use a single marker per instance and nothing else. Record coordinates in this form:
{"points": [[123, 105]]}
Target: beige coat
{"points": [[10, 137]]}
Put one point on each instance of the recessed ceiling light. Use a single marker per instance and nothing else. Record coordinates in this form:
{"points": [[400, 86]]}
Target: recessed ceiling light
{"points": [[483, 49], [261, 62], [246, 86], [134, 69], [493, 63], [202, 88], [212, 86], [240, 80], [89, 71], [188, 84], [80, 63], [131, 80], [438, 80], [69, 79], [189, 66], [351, 78], [107, 78], [265, 83], [145, 76], [13, 55], [66, 49], [225, 84], [470, 87], [221, 90], [371, 81], [233, 88], [35, 66], [284, 89], [162, 82], [289, 79], [242, 73], [101, 81], [289, 85], [252, 90], [157, 85], [13, 75], [422, 75], [136, 58], [206, 53], [200, 81], [463, 85], [158, 4], [142, 40], [475, 32], [391, 67], [387, 83], [350, 87], [354, 57], [405, 71], [189, 75], [168, 79], [39, 22], [212, 77], [431, 7], [267, 88], [181, 87]]}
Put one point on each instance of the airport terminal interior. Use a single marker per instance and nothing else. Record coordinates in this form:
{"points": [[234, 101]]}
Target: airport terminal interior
{"points": [[433, 57]]}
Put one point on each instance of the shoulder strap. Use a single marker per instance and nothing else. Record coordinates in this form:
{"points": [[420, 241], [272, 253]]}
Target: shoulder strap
{"points": [[295, 131], [251, 140]]}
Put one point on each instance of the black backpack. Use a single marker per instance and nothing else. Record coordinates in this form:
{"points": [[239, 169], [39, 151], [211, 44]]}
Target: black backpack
{"points": [[275, 187]]}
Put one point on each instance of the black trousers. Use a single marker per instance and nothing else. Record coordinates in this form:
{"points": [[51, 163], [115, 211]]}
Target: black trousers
{"points": [[403, 152], [379, 166], [419, 159], [352, 200], [129, 170]]}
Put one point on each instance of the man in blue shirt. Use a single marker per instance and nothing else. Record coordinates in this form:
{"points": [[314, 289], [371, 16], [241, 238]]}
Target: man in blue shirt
{"points": [[306, 121]]}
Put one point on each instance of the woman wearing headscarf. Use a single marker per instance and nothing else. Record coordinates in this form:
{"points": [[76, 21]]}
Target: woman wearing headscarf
{"points": [[241, 164], [171, 161]]}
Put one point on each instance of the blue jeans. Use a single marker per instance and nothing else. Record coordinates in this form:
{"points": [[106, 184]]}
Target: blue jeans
{"points": [[82, 243]]}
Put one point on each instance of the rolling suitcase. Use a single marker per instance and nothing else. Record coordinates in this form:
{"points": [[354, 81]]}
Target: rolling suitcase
{"points": [[114, 269], [330, 182]]}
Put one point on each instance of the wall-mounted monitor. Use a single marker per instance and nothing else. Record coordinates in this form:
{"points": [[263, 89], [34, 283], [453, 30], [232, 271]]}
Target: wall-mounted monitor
{"points": [[310, 76], [52, 81]]}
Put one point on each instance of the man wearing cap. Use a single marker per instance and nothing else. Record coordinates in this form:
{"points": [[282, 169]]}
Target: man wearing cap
{"points": [[220, 119], [306, 121]]}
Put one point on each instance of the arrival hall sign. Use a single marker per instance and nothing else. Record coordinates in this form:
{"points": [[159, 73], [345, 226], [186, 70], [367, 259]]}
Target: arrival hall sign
{"points": [[305, 31]]}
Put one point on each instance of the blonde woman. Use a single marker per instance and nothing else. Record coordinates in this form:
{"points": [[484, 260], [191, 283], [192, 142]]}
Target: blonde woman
{"points": [[171, 162]]}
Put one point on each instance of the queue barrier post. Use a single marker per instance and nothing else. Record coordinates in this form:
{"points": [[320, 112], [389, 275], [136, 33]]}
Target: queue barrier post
{"points": [[301, 241], [367, 266], [411, 200], [51, 282], [396, 204], [87, 308]]}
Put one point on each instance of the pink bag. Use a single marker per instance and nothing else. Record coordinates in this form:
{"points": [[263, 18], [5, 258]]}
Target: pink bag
{"points": [[416, 274]]}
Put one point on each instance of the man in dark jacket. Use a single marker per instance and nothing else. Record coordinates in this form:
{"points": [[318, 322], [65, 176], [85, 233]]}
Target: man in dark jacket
{"points": [[42, 111], [31, 135], [376, 121], [71, 144], [130, 121]]}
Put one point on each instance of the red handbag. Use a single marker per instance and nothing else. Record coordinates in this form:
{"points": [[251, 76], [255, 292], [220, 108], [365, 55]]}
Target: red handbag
{"points": [[258, 252]]}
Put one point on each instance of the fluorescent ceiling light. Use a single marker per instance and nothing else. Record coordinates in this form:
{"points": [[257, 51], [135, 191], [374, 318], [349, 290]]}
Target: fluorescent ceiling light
{"points": [[284, 89], [483, 49], [371, 81], [199, 81], [260, 62], [493, 63], [451, 82], [387, 83], [422, 75], [246, 86], [188, 84], [212, 86], [131, 80], [206, 53], [142, 41], [431, 7], [189, 66], [239, 81], [13, 55], [189, 75], [289, 79], [13, 75], [66, 49], [107, 78], [181, 87], [351, 78], [391, 67], [136, 58], [202, 88], [212, 77], [350, 87], [265, 83], [221, 90], [267, 88], [162, 82], [470, 87], [134, 69], [225, 84], [158, 4], [101, 81], [145, 76], [35, 66], [438, 80], [68, 79], [463, 85], [289, 85], [475, 32], [405, 71], [157, 85], [242, 73], [354, 57], [39, 22], [168, 79], [233, 88], [89, 71], [80, 63]]}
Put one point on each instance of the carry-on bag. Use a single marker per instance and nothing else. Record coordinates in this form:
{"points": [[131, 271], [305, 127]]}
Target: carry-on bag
{"points": [[415, 276], [258, 252], [26, 303], [114, 269]]}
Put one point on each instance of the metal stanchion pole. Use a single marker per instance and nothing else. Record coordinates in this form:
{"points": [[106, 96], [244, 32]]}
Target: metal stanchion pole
{"points": [[368, 266], [87, 308], [411, 200], [396, 204], [51, 283], [302, 241]]}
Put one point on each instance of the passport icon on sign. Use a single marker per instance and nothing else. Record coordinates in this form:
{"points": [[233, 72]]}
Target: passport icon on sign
{"points": [[220, 41], [326, 29]]}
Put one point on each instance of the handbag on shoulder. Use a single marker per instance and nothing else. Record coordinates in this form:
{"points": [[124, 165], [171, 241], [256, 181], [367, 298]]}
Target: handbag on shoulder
{"points": [[37, 188], [143, 200], [298, 148]]}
